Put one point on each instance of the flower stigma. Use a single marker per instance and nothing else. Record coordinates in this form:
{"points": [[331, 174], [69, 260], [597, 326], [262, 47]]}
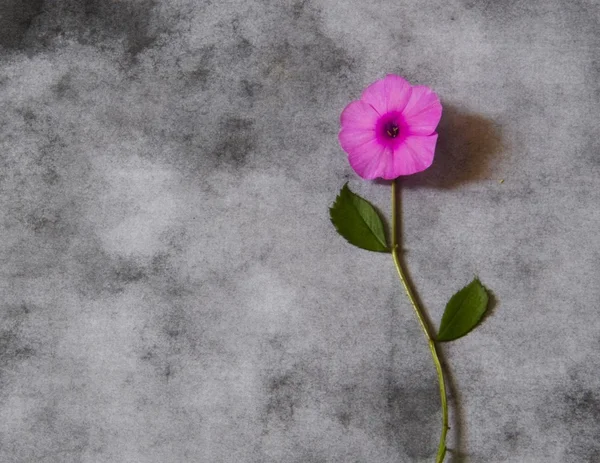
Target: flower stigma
{"points": [[392, 130]]}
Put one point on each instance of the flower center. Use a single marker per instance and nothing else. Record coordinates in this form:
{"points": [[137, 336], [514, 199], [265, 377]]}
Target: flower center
{"points": [[391, 129]]}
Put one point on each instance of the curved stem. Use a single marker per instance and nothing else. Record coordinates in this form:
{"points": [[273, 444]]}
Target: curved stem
{"points": [[423, 322]]}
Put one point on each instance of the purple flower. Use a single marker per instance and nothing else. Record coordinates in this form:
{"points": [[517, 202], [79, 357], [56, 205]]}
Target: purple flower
{"points": [[390, 131]]}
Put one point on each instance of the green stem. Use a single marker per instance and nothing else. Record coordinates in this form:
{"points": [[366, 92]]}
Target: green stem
{"points": [[423, 322]]}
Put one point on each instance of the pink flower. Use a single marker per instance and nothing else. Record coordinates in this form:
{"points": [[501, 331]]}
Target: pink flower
{"points": [[390, 131]]}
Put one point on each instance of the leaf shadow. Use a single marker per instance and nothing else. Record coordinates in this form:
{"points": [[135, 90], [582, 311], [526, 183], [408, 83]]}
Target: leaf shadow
{"points": [[387, 225], [491, 307], [459, 454], [466, 148]]}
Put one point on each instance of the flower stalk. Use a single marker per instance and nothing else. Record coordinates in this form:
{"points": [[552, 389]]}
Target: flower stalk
{"points": [[424, 325]]}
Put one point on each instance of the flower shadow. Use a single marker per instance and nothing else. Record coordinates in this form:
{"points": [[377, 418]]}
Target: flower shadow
{"points": [[466, 147]]}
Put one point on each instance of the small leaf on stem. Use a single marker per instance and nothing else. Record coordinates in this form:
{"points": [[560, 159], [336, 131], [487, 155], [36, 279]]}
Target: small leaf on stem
{"points": [[463, 311], [357, 220]]}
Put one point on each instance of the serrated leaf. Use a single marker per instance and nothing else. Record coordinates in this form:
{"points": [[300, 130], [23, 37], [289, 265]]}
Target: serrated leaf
{"points": [[357, 220], [463, 311]]}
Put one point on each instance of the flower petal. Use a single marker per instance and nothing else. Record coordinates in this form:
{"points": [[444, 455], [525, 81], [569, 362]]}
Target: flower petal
{"points": [[422, 112], [413, 155], [370, 159], [358, 121], [359, 115], [352, 138], [388, 94]]}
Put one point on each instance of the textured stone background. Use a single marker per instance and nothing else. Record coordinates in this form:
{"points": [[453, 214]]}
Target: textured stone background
{"points": [[172, 289]]}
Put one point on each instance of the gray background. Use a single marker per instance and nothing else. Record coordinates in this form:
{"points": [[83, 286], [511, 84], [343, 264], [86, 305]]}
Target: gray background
{"points": [[172, 289]]}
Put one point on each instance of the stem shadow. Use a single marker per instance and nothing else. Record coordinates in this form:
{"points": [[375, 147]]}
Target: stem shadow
{"points": [[457, 453]]}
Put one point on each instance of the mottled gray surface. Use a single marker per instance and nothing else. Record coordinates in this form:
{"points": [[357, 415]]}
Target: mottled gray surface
{"points": [[172, 289]]}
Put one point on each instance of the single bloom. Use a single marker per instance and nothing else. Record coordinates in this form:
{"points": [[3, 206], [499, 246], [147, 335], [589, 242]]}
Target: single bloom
{"points": [[390, 131]]}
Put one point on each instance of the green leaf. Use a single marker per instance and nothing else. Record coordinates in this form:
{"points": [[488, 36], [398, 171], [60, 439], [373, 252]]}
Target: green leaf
{"points": [[358, 221], [463, 311]]}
